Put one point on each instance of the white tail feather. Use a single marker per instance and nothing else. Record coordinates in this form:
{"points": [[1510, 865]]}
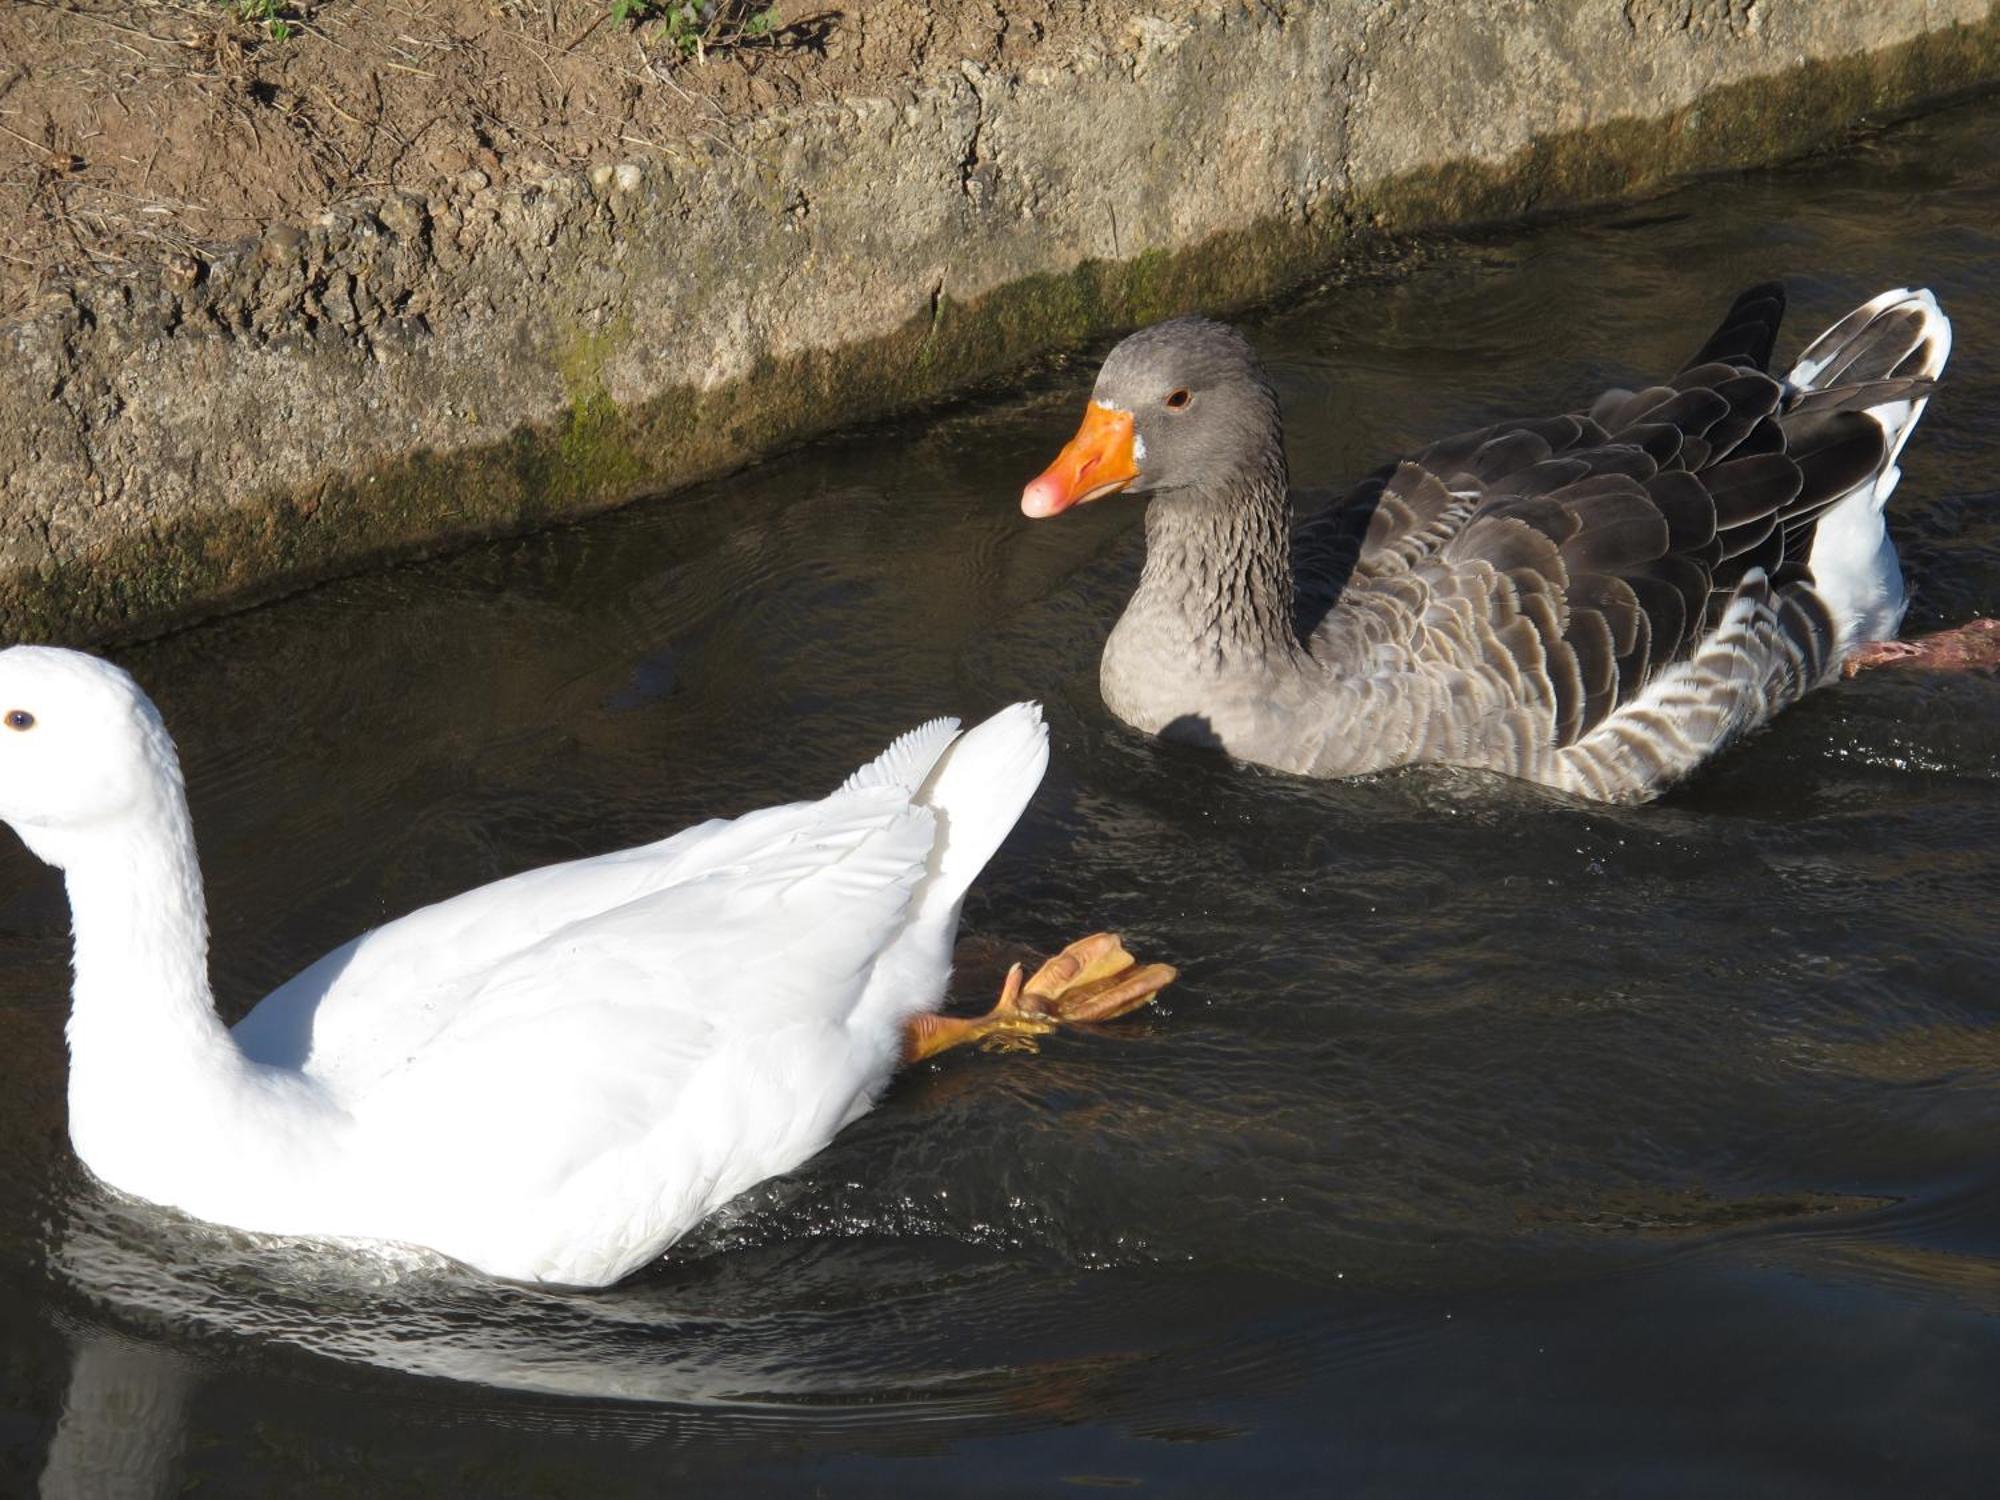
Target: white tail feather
{"points": [[908, 760], [978, 789], [1853, 562]]}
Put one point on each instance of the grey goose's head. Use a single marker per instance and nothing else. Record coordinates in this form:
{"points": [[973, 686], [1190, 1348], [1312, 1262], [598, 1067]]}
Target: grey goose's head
{"points": [[1182, 405]]}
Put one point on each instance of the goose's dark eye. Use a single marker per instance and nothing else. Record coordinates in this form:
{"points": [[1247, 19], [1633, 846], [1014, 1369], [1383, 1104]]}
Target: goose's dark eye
{"points": [[1178, 400], [20, 718]]}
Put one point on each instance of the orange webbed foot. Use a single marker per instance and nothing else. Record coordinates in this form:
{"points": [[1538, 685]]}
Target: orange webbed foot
{"points": [[1093, 979]]}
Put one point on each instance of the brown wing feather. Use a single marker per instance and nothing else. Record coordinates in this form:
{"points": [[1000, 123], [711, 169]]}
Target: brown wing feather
{"points": [[1598, 548]]}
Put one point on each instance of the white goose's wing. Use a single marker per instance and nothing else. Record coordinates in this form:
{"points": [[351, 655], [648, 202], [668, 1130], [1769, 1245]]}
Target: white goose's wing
{"points": [[605, 1017], [716, 905], [576, 1104]]}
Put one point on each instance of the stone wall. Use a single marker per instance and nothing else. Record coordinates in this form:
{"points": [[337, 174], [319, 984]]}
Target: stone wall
{"points": [[408, 372]]}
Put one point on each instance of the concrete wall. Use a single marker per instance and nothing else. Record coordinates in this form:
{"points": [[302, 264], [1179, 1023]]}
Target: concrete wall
{"points": [[407, 372]]}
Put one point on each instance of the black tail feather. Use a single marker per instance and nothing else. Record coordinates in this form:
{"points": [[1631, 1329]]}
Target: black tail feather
{"points": [[1749, 330]]}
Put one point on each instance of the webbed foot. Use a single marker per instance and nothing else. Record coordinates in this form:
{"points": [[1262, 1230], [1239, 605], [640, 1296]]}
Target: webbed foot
{"points": [[1971, 647], [1093, 979]]}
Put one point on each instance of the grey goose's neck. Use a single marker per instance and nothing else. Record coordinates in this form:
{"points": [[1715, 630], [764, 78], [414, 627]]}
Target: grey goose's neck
{"points": [[1218, 571]]}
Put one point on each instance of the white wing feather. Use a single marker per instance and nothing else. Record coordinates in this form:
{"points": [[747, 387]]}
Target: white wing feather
{"points": [[553, 1076], [372, 1006]]}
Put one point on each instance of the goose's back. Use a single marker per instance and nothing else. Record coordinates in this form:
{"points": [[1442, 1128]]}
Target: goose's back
{"points": [[1509, 597], [580, 1062]]}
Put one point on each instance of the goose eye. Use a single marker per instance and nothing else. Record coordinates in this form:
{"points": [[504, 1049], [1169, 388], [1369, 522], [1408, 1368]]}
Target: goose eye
{"points": [[1179, 399], [20, 718]]}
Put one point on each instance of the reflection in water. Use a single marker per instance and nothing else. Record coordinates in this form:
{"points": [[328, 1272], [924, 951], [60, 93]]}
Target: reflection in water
{"points": [[855, 1333], [122, 1424], [1490, 1143]]}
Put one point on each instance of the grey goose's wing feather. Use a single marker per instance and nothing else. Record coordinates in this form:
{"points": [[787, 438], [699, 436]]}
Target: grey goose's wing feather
{"points": [[1657, 539], [1768, 647]]}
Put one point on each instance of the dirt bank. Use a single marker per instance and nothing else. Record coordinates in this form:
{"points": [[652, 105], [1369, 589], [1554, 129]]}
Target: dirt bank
{"points": [[130, 129], [413, 273]]}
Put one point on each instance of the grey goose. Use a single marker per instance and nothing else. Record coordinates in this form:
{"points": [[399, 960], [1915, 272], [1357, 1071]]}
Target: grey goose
{"points": [[1597, 601]]}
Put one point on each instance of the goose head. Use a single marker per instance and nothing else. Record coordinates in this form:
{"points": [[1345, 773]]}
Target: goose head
{"points": [[1182, 406], [81, 748]]}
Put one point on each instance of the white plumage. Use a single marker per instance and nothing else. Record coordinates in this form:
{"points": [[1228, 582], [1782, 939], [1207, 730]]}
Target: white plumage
{"points": [[549, 1078], [1853, 562]]}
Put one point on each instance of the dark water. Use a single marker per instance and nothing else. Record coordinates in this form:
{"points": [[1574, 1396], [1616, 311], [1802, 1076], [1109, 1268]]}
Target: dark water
{"points": [[1490, 1145]]}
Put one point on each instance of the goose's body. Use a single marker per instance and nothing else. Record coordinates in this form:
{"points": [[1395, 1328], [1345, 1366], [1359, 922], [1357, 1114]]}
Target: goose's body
{"points": [[549, 1078], [1597, 601]]}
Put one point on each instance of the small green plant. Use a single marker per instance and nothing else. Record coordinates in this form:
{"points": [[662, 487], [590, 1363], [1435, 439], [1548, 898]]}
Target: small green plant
{"points": [[267, 16], [694, 28]]}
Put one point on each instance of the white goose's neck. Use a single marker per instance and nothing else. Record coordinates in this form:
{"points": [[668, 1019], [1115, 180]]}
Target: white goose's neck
{"points": [[145, 1043]]}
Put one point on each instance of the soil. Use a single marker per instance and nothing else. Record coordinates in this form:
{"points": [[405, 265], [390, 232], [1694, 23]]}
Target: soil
{"points": [[134, 129]]}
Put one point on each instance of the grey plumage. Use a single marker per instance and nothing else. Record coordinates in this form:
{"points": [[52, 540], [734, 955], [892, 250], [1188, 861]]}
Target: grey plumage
{"points": [[1596, 601]]}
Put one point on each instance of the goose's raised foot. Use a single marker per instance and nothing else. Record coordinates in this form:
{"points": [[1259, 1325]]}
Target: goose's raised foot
{"points": [[1093, 979], [1971, 647]]}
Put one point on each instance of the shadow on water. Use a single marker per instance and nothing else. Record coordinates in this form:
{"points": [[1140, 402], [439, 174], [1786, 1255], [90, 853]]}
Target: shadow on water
{"points": [[1491, 1143]]}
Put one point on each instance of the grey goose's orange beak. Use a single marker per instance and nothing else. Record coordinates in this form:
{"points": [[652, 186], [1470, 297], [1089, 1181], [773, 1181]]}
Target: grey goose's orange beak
{"points": [[1098, 461]]}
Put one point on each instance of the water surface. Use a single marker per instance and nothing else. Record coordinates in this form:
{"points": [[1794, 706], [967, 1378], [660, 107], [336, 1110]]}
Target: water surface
{"points": [[1490, 1144]]}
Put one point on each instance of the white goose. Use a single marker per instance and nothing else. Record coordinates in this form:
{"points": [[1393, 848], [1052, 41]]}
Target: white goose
{"points": [[550, 1078]]}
